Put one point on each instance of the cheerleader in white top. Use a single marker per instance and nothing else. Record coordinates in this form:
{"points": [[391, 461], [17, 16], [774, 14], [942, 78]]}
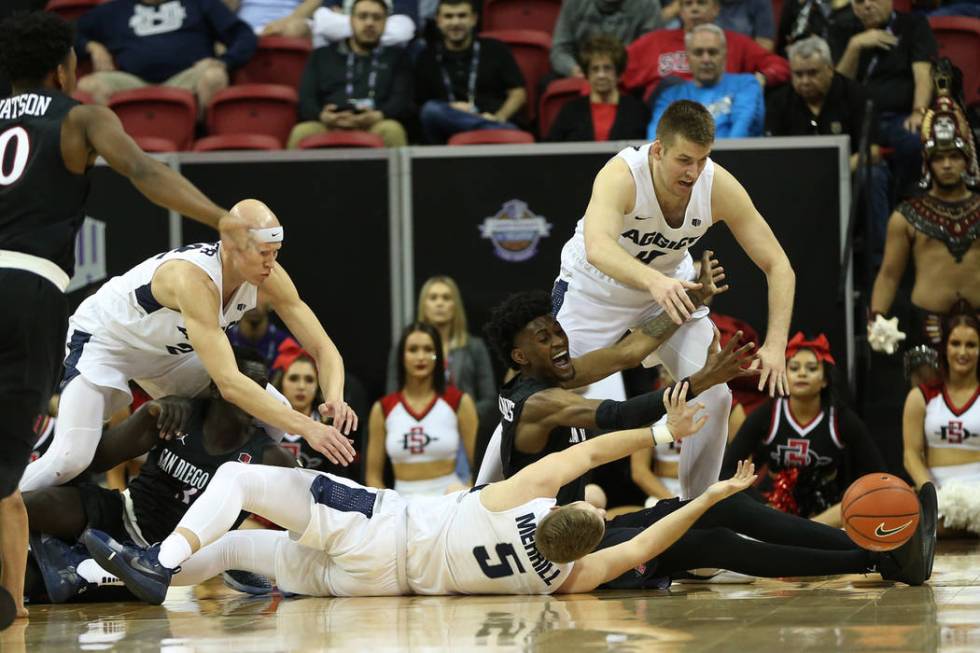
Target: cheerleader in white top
{"points": [[942, 427], [421, 427]]}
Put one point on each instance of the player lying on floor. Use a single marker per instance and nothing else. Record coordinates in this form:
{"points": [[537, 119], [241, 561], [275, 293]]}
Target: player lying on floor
{"points": [[345, 539], [185, 440]]}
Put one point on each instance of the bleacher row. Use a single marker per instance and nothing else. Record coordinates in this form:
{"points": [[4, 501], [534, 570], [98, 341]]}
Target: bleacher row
{"points": [[258, 111]]}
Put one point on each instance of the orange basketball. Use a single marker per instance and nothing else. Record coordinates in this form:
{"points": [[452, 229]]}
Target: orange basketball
{"points": [[880, 512]]}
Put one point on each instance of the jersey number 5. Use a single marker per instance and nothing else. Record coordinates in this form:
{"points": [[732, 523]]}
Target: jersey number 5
{"points": [[500, 569], [22, 148]]}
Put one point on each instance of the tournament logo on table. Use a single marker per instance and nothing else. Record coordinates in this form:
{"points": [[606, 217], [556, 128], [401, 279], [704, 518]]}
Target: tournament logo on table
{"points": [[515, 231]]}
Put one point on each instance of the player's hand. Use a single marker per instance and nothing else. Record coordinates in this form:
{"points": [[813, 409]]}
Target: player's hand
{"points": [[232, 228], [172, 415], [772, 370], [344, 417], [710, 276], [671, 294], [330, 442], [744, 477], [682, 419], [725, 363]]}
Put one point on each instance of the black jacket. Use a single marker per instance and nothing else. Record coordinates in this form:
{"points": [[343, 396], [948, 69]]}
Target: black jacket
{"points": [[574, 121]]}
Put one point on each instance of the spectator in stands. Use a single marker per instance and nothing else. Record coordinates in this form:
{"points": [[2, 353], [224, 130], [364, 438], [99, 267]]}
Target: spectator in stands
{"points": [[750, 17], [939, 231], [891, 55], [814, 445], [803, 18], [357, 84], [465, 83], [821, 101], [136, 43], [467, 359], [734, 100], [331, 22], [941, 425], [662, 53], [580, 20], [257, 331], [276, 17], [423, 425], [604, 114]]}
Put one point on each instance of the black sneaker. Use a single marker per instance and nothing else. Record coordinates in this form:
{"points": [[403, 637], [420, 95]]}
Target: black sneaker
{"points": [[907, 564], [930, 515], [247, 582], [139, 568], [8, 611], [58, 563]]}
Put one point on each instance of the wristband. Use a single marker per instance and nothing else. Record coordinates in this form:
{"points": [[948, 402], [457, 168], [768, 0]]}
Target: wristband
{"points": [[661, 434]]}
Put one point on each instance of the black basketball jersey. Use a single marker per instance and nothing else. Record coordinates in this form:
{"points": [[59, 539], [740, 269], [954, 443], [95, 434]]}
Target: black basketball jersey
{"points": [[176, 472], [41, 202], [511, 400]]}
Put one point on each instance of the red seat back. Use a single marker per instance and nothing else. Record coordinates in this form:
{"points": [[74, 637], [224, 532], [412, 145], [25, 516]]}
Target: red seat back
{"points": [[71, 9], [238, 142], [278, 60], [538, 15], [157, 111], [959, 40], [530, 50], [491, 137], [341, 138], [558, 93], [268, 109]]}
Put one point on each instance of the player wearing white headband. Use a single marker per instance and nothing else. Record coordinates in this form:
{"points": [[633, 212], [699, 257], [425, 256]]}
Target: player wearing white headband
{"points": [[163, 323]]}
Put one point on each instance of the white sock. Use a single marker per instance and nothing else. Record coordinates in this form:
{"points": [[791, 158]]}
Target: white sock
{"points": [[93, 573], [174, 550]]}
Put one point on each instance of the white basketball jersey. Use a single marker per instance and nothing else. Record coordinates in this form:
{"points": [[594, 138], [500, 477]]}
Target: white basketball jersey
{"points": [[948, 426], [456, 546], [433, 434], [124, 316], [645, 233]]}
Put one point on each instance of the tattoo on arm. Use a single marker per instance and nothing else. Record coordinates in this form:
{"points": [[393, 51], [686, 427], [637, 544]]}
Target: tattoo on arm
{"points": [[659, 326]]}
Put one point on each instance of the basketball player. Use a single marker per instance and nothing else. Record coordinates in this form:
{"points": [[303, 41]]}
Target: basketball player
{"points": [[48, 141], [629, 260], [176, 473], [162, 324]]}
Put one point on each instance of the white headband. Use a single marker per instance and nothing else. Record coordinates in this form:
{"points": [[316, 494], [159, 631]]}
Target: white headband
{"points": [[269, 235]]}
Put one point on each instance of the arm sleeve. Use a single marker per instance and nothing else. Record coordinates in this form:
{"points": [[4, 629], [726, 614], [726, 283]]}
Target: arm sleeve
{"points": [[763, 23], [563, 41], [632, 413], [510, 73], [748, 440], [89, 27], [757, 59], [562, 126], [398, 104], [860, 448], [235, 33], [924, 46], [309, 100], [424, 88]]}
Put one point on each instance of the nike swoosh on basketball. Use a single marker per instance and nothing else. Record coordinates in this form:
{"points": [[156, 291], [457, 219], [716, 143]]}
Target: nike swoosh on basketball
{"points": [[640, 217], [881, 531]]}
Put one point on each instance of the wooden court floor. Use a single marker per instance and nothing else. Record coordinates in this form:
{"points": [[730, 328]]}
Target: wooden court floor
{"points": [[849, 613]]}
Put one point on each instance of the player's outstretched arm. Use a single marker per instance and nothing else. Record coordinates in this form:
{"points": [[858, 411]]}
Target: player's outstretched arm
{"points": [[160, 419], [730, 201], [103, 132], [603, 566], [302, 323]]}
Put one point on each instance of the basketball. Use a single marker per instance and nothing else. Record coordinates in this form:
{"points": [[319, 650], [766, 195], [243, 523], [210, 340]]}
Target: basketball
{"points": [[880, 512]]}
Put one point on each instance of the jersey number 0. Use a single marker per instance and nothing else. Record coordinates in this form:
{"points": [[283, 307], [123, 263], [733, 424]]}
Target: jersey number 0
{"points": [[22, 149]]}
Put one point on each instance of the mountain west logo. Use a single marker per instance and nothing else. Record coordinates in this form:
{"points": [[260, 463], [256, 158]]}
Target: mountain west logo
{"points": [[515, 231]]}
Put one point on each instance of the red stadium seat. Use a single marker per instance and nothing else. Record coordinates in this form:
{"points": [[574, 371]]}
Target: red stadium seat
{"points": [[238, 142], [155, 144], [254, 109], [959, 40], [71, 9], [278, 60], [555, 96], [341, 139], [157, 111], [530, 49], [491, 137], [905, 6], [538, 15]]}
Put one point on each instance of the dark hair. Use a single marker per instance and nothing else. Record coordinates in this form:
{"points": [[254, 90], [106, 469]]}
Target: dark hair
{"points": [[688, 119], [32, 45], [510, 317], [962, 314], [439, 374], [603, 45], [453, 3], [383, 4], [279, 375]]}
